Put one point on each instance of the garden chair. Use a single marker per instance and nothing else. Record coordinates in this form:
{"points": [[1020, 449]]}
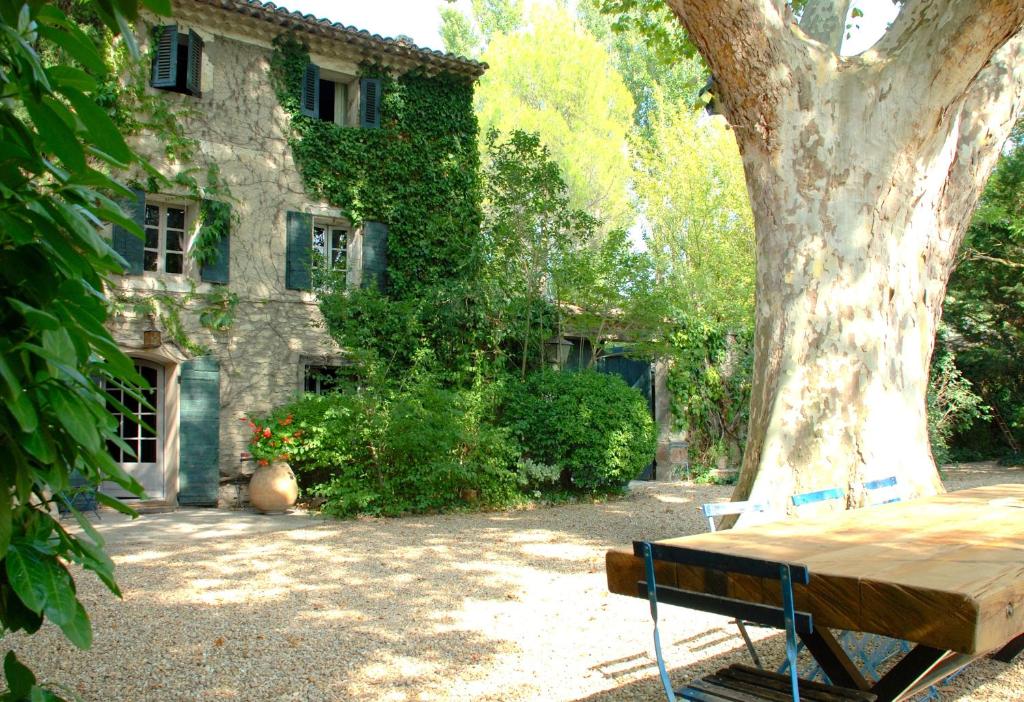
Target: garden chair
{"points": [[805, 499], [737, 682], [712, 510]]}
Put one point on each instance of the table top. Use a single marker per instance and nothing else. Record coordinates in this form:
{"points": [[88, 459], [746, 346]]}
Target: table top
{"points": [[946, 571]]}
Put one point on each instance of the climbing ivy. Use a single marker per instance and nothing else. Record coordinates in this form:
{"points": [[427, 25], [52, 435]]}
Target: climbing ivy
{"points": [[418, 173]]}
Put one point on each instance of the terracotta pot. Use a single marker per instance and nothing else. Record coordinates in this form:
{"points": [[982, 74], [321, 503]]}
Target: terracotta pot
{"points": [[273, 488]]}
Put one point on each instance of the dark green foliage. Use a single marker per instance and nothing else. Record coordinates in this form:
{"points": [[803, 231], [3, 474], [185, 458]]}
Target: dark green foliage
{"points": [[418, 176], [596, 429], [56, 356], [984, 310], [952, 405], [710, 381], [414, 448]]}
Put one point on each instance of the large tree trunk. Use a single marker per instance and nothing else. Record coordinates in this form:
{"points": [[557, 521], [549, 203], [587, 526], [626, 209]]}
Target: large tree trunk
{"points": [[863, 173]]}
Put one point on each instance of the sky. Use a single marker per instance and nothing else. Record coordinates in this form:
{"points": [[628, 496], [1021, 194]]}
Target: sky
{"points": [[421, 19]]}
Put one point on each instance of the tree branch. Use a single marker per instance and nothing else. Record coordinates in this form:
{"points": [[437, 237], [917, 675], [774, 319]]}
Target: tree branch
{"points": [[978, 256], [943, 44], [744, 43], [825, 21], [992, 105]]}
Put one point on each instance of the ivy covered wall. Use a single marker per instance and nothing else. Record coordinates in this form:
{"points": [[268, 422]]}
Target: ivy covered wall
{"points": [[418, 173]]}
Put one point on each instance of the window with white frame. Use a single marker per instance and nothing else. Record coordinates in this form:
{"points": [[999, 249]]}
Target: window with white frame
{"points": [[330, 245], [166, 238]]}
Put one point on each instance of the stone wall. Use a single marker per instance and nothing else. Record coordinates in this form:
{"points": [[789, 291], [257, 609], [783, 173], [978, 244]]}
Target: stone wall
{"points": [[241, 128]]}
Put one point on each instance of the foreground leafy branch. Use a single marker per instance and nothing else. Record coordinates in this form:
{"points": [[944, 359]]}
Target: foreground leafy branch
{"points": [[56, 356]]}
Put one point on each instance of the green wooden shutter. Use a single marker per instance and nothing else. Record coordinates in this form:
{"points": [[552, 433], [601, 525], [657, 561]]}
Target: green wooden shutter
{"points": [[165, 57], [218, 270], [309, 103], [299, 252], [369, 103], [124, 242], [199, 432], [194, 69], [375, 255]]}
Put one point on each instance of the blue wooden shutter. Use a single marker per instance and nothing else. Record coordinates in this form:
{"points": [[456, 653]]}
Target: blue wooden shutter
{"points": [[299, 252], [218, 271], [375, 255], [369, 103], [165, 57], [194, 69], [124, 242], [309, 103], [199, 432]]}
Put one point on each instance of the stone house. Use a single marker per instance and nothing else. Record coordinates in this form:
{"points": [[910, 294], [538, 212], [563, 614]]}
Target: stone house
{"points": [[266, 343]]}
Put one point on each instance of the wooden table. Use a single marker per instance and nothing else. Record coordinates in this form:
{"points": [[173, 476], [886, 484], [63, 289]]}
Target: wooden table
{"points": [[946, 572]]}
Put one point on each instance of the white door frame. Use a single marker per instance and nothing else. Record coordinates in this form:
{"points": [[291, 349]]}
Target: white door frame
{"points": [[152, 474]]}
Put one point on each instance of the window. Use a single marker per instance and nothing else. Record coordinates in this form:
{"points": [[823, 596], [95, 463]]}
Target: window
{"points": [[323, 379], [330, 245], [177, 60], [335, 98], [164, 248]]}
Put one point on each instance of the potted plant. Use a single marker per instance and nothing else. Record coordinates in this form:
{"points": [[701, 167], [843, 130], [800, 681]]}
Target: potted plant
{"points": [[273, 487]]}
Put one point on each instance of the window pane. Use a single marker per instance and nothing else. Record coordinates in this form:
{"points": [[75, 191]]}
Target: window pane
{"points": [[320, 241], [114, 451], [175, 218], [148, 454], [152, 238], [174, 240], [149, 261], [174, 263], [339, 240], [152, 216], [133, 444], [148, 374]]}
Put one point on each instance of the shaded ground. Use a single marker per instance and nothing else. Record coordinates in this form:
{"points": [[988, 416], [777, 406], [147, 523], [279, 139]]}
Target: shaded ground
{"points": [[510, 606]]}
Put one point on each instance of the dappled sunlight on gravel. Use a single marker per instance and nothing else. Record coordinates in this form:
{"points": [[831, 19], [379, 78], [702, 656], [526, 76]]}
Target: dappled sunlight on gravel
{"points": [[490, 606]]}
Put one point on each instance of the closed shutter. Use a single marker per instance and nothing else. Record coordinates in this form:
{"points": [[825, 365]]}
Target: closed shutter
{"points": [[369, 103], [130, 246], [194, 70], [218, 270], [165, 58], [299, 251], [309, 103], [199, 432], [375, 255]]}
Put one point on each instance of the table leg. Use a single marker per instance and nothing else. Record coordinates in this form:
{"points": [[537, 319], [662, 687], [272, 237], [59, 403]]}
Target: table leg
{"points": [[1008, 652], [833, 659], [910, 673]]}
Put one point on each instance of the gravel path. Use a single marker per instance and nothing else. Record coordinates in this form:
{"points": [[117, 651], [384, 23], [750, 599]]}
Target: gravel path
{"points": [[510, 606]]}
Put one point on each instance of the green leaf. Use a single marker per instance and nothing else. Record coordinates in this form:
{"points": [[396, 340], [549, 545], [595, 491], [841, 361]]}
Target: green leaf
{"points": [[41, 694], [70, 38], [71, 77], [160, 7], [55, 135], [77, 628], [74, 417], [115, 503], [24, 412], [24, 573], [101, 128], [58, 343], [20, 679], [35, 317]]}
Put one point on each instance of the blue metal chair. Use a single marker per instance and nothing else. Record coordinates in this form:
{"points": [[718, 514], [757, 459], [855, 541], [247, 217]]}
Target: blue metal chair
{"points": [[711, 510], [737, 682]]}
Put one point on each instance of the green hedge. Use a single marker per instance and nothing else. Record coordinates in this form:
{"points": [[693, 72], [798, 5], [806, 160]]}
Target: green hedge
{"points": [[412, 449], [592, 426]]}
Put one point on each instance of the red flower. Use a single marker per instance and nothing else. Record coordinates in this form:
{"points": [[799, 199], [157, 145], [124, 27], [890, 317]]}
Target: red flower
{"points": [[286, 421], [266, 432], [264, 462]]}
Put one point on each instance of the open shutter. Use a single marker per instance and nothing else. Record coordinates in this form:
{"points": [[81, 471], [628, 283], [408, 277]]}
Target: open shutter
{"points": [[218, 270], [309, 103], [165, 58], [375, 255], [194, 70], [299, 252], [199, 432], [130, 246], [369, 103]]}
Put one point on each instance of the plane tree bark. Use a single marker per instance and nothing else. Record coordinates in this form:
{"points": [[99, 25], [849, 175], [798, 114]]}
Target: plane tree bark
{"points": [[863, 173]]}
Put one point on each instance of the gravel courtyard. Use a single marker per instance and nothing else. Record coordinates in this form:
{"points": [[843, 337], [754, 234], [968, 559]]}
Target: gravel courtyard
{"points": [[509, 606]]}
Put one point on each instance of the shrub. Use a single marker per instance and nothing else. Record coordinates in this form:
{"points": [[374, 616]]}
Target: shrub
{"points": [[596, 429], [419, 447]]}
